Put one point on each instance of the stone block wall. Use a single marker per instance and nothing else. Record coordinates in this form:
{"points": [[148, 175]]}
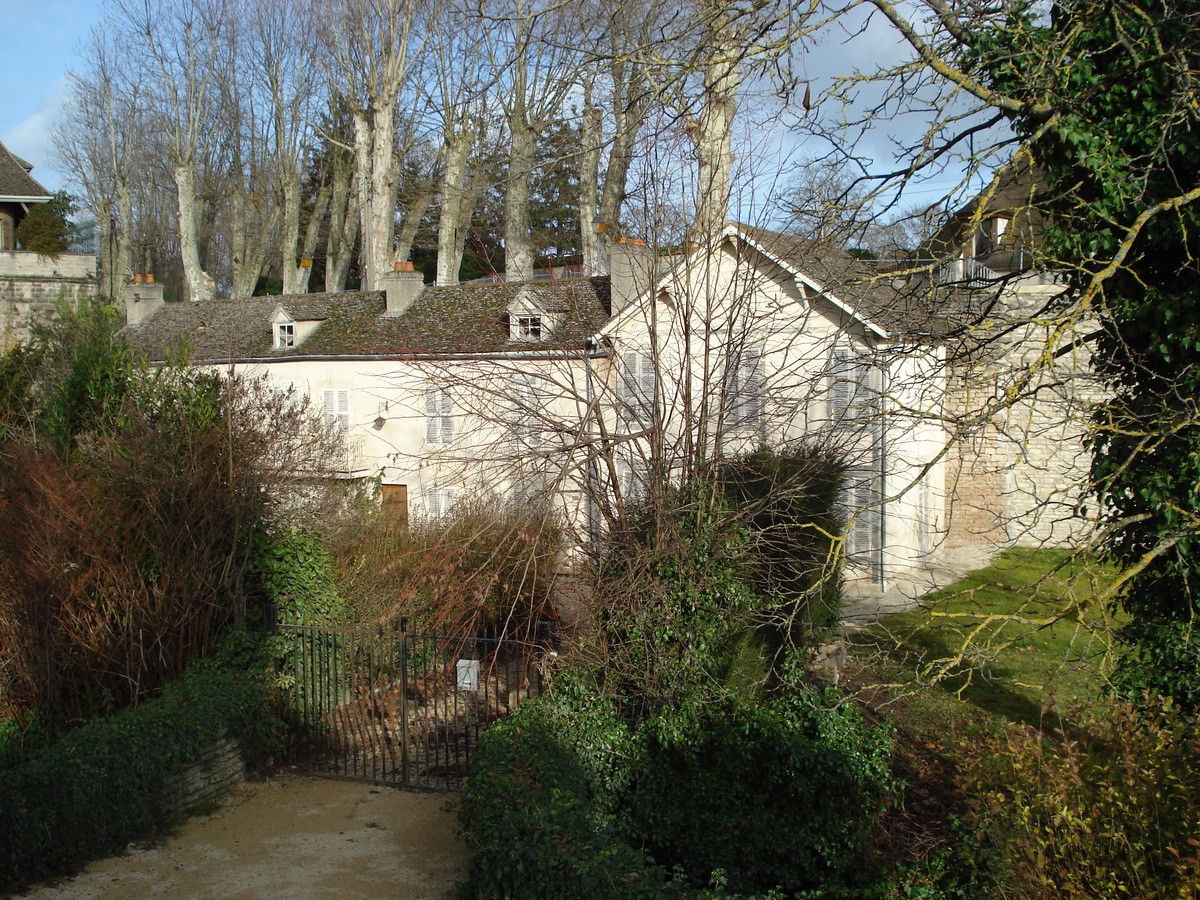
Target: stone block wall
{"points": [[1018, 468], [217, 770], [31, 287]]}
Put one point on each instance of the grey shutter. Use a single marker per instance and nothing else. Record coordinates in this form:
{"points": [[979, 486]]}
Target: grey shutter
{"points": [[447, 415], [432, 425]]}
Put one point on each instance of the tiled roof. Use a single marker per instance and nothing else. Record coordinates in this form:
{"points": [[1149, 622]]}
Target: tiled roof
{"points": [[15, 180], [865, 291], [464, 318]]}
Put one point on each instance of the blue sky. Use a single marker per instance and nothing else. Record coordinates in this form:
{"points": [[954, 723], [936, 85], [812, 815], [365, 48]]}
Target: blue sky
{"points": [[41, 41]]}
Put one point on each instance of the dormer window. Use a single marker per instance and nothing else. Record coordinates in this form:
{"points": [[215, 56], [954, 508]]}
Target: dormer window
{"points": [[528, 328], [285, 335]]}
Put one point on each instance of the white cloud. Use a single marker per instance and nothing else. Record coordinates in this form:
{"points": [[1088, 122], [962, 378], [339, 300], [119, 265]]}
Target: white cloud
{"points": [[30, 138]]}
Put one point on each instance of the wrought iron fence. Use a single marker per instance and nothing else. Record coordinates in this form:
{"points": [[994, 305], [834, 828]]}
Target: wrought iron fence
{"points": [[402, 708]]}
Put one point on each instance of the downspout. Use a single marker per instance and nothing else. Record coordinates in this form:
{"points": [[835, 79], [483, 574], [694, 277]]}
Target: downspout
{"points": [[884, 384], [593, 531]]}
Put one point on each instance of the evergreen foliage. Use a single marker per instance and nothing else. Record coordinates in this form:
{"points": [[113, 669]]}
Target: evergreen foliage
{"points": [[1120, 156], [45, 230]]}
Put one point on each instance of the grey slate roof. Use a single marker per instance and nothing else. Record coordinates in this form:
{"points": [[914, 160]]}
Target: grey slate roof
{"points": [[868, 293], [454, 319], [15, 180]]}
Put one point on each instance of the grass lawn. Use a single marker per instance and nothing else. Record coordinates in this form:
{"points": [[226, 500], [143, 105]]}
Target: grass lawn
{"points": [[1013, 640]]}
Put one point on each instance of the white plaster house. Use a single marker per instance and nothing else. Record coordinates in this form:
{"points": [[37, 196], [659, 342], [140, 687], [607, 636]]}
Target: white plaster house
{"points": [[575, 389]]}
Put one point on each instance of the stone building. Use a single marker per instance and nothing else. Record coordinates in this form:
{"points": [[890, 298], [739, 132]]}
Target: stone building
{"points": [[31, 285], [1020, 388]]}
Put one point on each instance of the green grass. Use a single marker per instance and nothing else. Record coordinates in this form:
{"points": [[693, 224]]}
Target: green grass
{"points": [[1014, 640]]}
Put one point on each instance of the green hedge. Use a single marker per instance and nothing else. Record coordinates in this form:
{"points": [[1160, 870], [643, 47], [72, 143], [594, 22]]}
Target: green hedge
{"points": [[776, 795], [566, 801], [535, 828], [103, 784]]}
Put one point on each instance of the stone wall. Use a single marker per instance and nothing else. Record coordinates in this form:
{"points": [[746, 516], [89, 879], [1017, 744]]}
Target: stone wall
{"points": [[31, 287], [1021, 400], [217, 770]]}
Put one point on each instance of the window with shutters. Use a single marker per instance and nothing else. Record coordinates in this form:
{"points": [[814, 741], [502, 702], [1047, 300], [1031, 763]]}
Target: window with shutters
{"points": [[523, 413], [439, 416], [634, 475], [853, 400], [636, 389], [745, 385], [438, 502], [337, 409]]}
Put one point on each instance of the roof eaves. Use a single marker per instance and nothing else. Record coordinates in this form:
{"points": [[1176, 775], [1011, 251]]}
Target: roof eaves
{"points": [[815, 285]]}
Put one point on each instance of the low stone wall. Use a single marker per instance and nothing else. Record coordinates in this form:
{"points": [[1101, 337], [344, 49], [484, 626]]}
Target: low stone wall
{"points": [[31, 287], [217, 770]]}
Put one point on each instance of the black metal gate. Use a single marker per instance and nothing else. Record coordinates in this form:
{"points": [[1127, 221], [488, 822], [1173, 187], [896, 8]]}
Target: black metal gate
{"points": [[401, 708]]}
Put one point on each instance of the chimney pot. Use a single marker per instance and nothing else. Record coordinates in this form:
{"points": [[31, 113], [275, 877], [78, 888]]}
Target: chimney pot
{"points": [[149, 278], [137, 279]]}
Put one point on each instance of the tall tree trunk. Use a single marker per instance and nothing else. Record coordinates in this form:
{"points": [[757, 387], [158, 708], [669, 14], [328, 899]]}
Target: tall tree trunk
{"points": [[251, 234], [199, 284], [312, 233], [629, 111], [714, 130], [452, 232], [295, 276], [518, 250], [343, 230], [411, 222], [374, 133], [589, 187]]}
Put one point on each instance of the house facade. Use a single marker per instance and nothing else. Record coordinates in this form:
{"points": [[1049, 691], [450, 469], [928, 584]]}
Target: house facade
{"points": [[580, 390], [1021, 390]]}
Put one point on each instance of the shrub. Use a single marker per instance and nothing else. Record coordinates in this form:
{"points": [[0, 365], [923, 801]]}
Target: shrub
{"points": [[780, 794], [531, 821], [488, 569], [103, 784], [44, 231], [295, 572], [566, 797], [1112, 810], [128, 499], [788, 504]]}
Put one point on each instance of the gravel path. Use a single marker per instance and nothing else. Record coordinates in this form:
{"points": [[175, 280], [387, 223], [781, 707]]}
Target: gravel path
{"points": [[290, 838]]}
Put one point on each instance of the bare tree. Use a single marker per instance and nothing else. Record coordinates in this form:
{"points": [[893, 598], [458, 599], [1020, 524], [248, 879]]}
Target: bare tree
{"points": [[535, 69], [372, 51], [183, 43]]}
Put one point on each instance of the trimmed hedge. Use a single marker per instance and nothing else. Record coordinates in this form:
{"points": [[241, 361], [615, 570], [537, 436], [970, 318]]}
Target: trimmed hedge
{"points": [[104, 784]]}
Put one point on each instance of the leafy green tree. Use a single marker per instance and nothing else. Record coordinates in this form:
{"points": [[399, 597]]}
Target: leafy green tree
{"points": [[44, 230], [1104, 96]]}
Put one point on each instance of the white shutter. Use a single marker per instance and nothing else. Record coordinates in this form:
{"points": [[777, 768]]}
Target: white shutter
{"points": [[841, 390], [336, 409], [439, 423], [636, 388], [525, 412], [744, 406]]}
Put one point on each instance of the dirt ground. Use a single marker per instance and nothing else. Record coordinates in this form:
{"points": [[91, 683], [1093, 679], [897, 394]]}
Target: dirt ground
{"points": [[290, 838]]}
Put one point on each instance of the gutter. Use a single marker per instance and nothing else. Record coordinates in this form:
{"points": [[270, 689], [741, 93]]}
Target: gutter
{"points": [[566, 355]]}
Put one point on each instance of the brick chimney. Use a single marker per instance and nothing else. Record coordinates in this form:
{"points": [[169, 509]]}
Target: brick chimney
{"points": [[143, 298], [401, 288]]}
